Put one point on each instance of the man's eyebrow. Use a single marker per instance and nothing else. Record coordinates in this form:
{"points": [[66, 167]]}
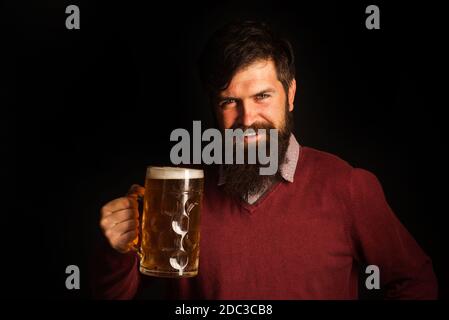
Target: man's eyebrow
{"points": [[223, 98], [268, 90]]}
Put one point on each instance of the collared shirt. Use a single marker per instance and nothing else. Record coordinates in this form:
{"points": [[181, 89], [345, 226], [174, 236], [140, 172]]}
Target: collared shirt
{"points": [[286, 169]]}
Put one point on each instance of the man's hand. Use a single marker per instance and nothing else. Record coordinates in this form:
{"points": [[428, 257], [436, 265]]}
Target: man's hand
{"points": [[120, 220]]}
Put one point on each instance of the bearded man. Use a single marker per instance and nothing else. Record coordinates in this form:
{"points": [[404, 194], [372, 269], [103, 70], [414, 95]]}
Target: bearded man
{"points": [[301, 233]]}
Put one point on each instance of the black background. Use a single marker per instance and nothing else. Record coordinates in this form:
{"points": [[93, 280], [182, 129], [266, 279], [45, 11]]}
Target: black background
{"points": [[85, 111]]}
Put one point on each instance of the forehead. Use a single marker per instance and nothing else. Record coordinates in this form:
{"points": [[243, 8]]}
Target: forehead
{"points": [[253, 78]]}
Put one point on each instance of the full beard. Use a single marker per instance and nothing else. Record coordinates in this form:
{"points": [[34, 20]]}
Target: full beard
{"points": [[244, 180]]}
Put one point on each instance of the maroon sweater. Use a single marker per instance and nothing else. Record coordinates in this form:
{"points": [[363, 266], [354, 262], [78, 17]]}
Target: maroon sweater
{"points": [[300, 240]]}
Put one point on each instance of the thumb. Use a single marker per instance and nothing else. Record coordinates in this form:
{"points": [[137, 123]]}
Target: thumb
{"points": [[136, 191]]}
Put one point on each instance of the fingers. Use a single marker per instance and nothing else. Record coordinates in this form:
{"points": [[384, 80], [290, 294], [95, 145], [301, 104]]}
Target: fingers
{"points": [[121, 228], [117, 217], [126, 226], [121, 235], [115, 205], [123, 243]]}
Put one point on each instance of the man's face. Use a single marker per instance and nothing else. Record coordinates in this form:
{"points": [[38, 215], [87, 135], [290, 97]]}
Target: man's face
{"points": [[255, 97]]}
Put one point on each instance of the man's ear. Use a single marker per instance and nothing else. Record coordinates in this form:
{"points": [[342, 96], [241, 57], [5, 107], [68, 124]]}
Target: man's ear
{"points": [[291, 95]]}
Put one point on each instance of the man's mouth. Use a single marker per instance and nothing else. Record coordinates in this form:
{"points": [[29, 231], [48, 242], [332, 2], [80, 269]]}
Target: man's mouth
{"points": [[251, 136]]}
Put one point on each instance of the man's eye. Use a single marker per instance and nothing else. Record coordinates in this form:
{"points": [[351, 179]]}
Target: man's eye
{"points": [[227, 102], [262, 96]]}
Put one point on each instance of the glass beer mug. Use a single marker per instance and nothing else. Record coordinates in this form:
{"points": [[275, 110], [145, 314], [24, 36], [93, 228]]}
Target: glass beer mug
{"points": [[169, 237]]}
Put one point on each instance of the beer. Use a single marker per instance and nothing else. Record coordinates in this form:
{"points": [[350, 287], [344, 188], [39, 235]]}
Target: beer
{"points": [[170, 225]]}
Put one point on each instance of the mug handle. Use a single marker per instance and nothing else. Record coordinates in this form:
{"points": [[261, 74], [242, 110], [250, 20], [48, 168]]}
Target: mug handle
{"points": [[136, 244]]}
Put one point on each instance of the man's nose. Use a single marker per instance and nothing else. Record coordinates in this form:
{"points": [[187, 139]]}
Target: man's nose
{"points": [[248, 114]]}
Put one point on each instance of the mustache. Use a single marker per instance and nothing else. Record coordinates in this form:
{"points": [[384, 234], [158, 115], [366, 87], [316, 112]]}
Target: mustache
{"points": [[255, 126]]}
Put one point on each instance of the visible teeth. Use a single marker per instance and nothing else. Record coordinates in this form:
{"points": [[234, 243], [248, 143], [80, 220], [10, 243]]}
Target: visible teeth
{"points": [[249, 134]]}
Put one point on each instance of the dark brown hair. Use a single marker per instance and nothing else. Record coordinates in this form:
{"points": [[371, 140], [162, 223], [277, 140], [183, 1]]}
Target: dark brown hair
{"points": [[237, 45]]}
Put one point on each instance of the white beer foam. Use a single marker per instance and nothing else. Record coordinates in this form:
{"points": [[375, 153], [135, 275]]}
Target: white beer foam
{"points": [[173, 173]]}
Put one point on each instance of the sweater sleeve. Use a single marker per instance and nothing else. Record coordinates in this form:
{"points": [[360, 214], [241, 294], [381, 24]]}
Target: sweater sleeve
{"points": [[380, 239], [114, 275]]}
